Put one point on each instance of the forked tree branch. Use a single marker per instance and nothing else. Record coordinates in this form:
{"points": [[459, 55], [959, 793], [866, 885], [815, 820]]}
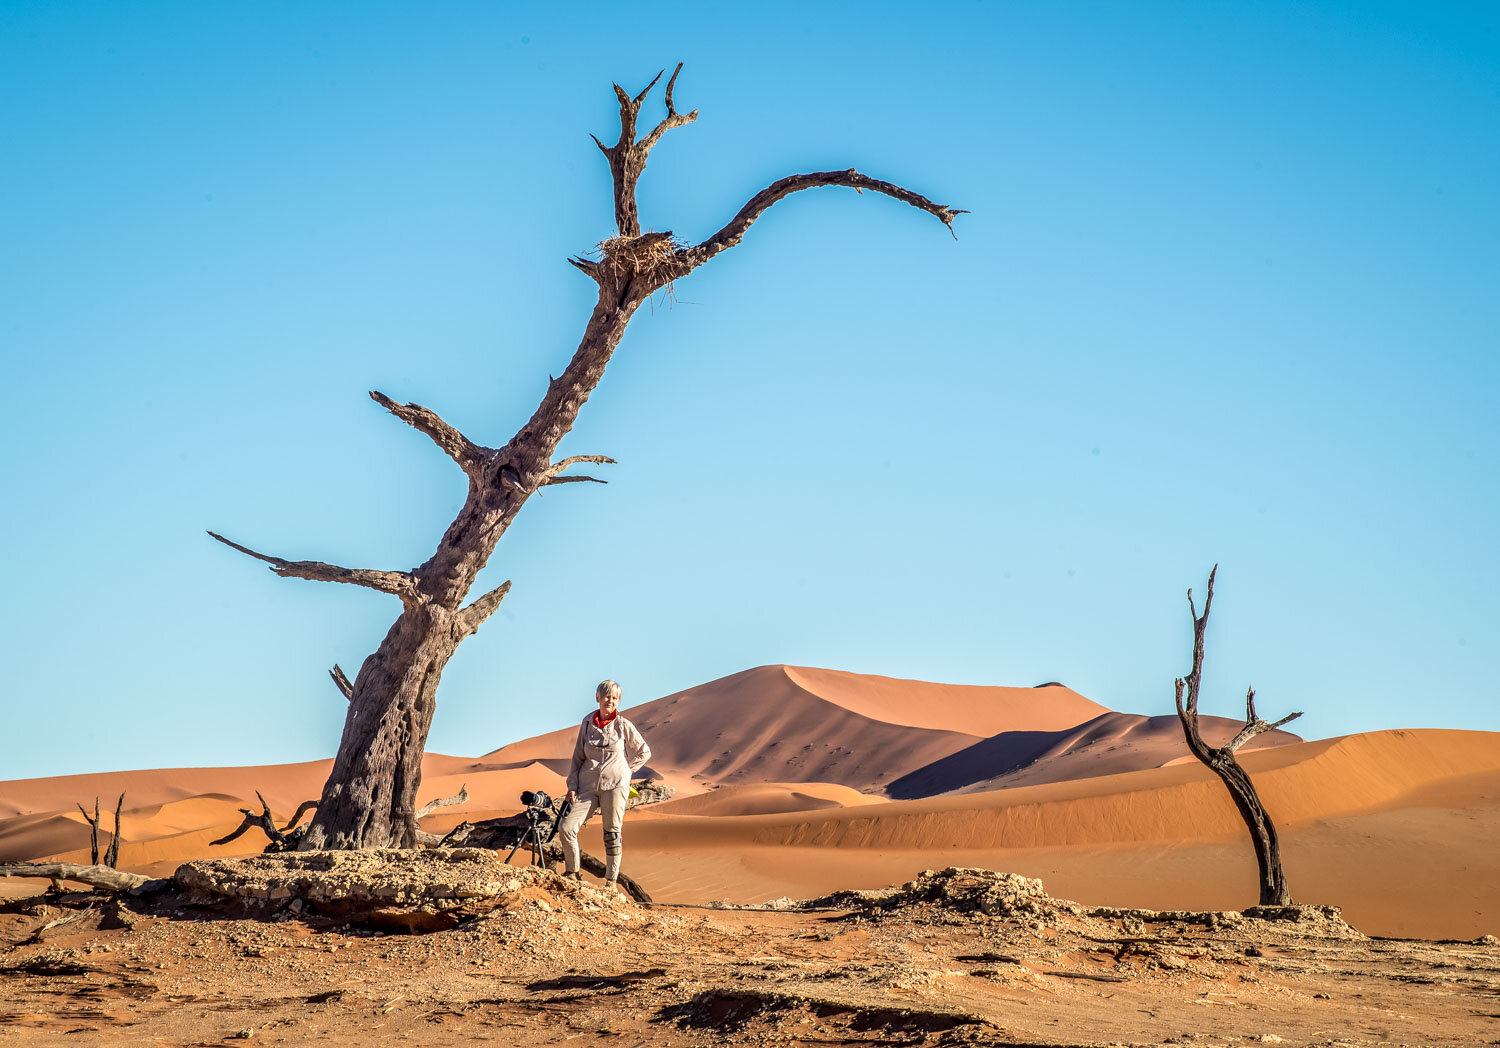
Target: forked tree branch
{"points": [[672, 120], [471, 457], [471, 618], [551, 476], [573, 460], [251, 819], [1254, 725], [691, 258], [397, 583], [627, 157]]}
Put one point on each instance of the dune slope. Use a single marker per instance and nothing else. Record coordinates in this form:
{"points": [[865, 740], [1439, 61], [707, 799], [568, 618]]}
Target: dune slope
{"points": [[1109, 744]]}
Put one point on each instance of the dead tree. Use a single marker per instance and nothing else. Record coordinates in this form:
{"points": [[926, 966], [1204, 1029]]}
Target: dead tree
{"points": [[1221, 760], [369, 800], [112, 854]]}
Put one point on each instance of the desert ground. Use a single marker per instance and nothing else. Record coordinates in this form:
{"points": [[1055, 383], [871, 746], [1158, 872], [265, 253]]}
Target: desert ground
{"points": [[794, 783]]}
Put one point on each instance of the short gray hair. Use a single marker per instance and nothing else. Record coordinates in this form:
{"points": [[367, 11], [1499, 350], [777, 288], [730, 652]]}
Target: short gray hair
{"points": [[607, 687]]}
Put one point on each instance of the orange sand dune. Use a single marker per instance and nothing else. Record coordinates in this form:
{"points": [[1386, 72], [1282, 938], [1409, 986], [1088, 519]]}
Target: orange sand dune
{"points": [[762, 798], [174, 825], [959, 708], [1402, 828], [1108, 744], [284, 785], [972, 709], [1304, 781], [793, 724]]}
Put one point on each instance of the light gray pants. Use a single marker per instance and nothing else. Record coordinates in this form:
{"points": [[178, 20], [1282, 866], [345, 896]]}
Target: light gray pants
{"points": [[611, 805]]}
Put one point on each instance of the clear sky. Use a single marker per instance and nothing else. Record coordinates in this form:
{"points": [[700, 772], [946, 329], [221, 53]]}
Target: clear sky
{"points": [[1227, 293]]}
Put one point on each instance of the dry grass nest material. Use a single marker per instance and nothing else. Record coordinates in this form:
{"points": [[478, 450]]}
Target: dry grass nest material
{"points": [[647, 255]]}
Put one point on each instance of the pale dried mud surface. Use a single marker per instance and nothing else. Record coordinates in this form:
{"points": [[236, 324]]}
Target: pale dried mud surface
{"points": [[523, 957]]}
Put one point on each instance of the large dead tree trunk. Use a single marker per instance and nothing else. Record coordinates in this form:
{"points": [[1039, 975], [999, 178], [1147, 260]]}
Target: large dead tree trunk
{"points": [[369, 799], [1221, 760]]}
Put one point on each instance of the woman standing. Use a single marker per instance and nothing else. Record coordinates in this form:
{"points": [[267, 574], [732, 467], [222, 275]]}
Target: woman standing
{"points": [[608, 752]]}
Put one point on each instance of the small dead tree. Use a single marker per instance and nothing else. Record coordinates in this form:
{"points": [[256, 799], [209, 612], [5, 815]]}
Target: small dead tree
{"points": [[369, 800], [1221, 760], [112, 854]]}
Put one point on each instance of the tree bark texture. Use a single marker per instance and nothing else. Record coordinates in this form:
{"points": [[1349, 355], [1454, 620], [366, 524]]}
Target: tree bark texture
{"points": [[369, 798], [1221, 761]]}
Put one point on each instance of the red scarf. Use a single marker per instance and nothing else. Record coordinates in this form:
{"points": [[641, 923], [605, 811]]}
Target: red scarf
{"points": [[602, 723]]}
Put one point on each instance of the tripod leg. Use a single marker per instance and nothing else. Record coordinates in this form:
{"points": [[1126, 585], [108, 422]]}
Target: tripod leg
{"points": [[528, 835]]}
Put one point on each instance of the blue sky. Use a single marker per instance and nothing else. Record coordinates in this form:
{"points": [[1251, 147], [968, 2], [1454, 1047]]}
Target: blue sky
{"points": [[1227, 294]]}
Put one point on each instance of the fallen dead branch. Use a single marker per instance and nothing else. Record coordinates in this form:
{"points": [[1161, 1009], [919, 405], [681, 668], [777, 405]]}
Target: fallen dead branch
{"points": [[94, 876]]}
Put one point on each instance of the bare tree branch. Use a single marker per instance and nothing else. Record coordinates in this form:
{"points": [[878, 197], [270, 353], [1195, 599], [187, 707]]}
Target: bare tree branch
{"points": [[93, 831], [262, 819], [573, 460], [1257, 727], [444, 802], [673, 118], [397, 583], [551, 475], [627, 157], [94, 876], [302, 809], [341, 681], [471, 457], [693, 257], [471, 618]]}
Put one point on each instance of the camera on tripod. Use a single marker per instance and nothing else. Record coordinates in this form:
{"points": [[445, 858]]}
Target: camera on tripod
{"points": [[538, 814]]}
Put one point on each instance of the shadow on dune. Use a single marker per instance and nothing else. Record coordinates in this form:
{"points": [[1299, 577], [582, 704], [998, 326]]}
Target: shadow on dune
{"points": [[1108, 744]]}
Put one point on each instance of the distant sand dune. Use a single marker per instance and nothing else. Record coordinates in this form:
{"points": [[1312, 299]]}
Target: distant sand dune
{"points": [[1108, 744], [764, 798], [795, 724]]}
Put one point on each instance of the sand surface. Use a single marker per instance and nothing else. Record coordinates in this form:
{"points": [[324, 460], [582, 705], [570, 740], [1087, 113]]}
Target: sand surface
{"points": [[960, 958]]}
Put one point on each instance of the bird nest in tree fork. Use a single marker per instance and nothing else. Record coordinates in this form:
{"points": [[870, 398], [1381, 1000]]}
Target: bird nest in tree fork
{"points": [[648, 256]]}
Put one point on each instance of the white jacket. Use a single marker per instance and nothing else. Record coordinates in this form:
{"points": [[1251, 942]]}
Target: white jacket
{"points": [[605, 758]]}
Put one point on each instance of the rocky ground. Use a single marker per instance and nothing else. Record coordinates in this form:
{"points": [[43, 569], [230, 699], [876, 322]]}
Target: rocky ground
{"points": [[449, 948]]}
